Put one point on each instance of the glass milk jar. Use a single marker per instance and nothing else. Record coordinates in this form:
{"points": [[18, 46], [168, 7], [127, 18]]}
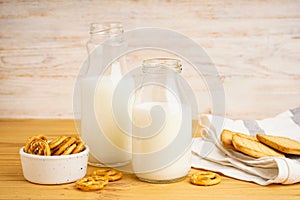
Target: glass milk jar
{"points": [[161, 124], [109, 143]]}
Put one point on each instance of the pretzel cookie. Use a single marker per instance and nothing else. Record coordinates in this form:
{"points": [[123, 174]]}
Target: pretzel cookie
{"points": [[37, 145], [62, 145], [205, 178], [67, 143], [57, 141], [111, 174], [91, 183]]}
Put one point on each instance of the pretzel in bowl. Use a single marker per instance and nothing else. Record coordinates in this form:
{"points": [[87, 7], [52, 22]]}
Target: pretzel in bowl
{"points": [[111, 174], [57, 141], [62, 145], [37, 145], [79, 146], [66, 147], [91, 183], [205, 178]]}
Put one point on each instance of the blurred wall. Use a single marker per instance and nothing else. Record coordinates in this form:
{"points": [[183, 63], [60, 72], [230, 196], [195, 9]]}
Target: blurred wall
{"points": [[255, 45]]}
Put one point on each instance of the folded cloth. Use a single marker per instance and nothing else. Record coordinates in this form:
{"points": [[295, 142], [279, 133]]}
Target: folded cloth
{"points": [[209, 154]]}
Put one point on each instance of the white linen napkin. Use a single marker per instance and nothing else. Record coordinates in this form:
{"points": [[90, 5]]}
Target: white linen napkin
{"points": [[209, 154]]}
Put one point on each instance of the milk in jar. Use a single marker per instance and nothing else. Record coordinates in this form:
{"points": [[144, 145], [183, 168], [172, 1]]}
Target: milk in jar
{"points": [[162, 124], [106, 134], [110, 144]]}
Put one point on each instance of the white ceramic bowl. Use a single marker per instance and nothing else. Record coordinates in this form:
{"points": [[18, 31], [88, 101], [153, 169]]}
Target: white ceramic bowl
{"points": [[54, 169]]}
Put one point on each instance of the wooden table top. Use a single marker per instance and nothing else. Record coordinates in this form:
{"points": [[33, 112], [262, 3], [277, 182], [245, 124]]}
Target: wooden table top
{"points": [[14, 133]]}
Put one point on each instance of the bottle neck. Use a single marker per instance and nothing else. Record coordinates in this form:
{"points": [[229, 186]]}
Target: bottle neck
{"points": [[162, 71], [161, 80], [161, 66], [99, 32]]}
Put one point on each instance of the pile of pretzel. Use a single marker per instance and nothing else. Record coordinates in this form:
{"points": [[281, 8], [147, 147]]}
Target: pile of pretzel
{"points": [[62, 145], [101, 177], [98, 179]]}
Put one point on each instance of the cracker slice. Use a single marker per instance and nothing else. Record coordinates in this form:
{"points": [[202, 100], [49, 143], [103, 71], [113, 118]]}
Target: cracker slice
{"points": [[252, 147], [226, 138], [282, 144]]}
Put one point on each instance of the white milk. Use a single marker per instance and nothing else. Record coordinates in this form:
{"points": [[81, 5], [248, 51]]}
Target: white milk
{"points": [[166, 154], [108, 143]]}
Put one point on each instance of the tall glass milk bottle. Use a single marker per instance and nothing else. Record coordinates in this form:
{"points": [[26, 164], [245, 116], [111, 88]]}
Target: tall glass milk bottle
{"points": [[162, 124], [110, 144]]}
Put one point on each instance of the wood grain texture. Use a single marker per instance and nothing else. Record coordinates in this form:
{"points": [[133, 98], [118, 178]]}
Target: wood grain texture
{"points": [[14, 134], [255, 46]]}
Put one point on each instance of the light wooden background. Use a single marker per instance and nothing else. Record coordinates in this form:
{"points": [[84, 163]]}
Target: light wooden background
{"points": [[255, 45]]}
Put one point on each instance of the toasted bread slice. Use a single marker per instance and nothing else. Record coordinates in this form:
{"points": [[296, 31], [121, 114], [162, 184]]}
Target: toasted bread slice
{"points": [[226, 138], [252, 147], [282, 144]]}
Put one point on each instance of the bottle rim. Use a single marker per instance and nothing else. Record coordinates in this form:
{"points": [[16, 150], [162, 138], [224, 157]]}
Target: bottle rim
{"points": [[106, 28], [161, 65]]}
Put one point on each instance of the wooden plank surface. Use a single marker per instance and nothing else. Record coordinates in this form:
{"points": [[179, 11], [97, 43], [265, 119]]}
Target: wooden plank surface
{"points": [[255, 45], [13, 185]]}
